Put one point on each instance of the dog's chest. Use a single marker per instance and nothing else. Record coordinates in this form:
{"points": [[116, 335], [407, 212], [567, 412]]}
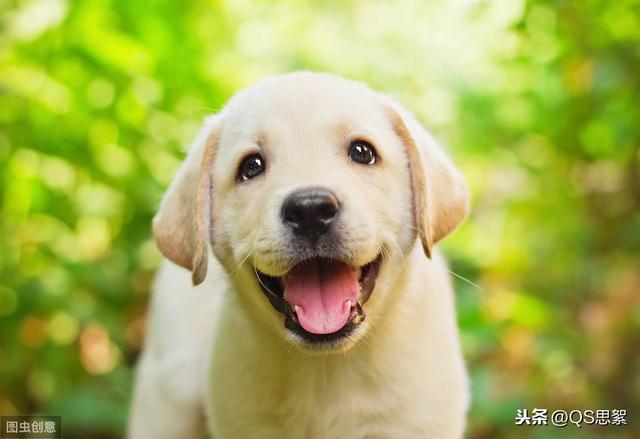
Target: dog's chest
{"points": [[318, 398]]}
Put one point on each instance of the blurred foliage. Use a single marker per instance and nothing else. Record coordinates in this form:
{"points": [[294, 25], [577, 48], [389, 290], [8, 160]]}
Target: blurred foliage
{"points": [[537, 100]]}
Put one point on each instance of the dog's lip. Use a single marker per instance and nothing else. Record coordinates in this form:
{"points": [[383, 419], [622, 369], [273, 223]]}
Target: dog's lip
{"points": [[273, 288]]}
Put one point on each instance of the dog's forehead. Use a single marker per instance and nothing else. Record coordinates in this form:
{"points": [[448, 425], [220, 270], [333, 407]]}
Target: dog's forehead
{"points": [[305, 104]]}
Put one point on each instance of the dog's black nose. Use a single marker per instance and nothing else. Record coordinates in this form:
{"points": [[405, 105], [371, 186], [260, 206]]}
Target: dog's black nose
{"points": [[310, 212]]}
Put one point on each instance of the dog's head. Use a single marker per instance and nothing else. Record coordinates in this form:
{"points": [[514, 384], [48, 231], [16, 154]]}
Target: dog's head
{"points": [[311, 190]]}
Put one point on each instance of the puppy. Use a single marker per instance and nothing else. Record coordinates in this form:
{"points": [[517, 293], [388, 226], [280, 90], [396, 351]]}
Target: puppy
{"points": [[305, 216]]}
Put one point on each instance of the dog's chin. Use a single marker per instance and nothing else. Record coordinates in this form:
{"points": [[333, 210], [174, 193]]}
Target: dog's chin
{"points": [[344, 329]]}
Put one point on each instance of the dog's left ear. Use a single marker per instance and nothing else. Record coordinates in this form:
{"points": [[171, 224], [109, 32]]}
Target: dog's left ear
{"points": [[440, 195], [181, 226]]}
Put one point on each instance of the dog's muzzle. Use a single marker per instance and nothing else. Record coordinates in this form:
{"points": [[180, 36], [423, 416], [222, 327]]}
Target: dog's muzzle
{"points": [[321, 299]]}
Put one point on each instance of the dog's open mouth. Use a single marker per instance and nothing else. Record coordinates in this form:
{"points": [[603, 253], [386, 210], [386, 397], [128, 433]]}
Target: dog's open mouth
{"points": [[321, 298]]}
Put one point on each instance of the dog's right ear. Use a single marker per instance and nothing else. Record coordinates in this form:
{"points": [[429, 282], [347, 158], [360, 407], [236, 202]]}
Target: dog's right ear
{"points": [[181, 227]]}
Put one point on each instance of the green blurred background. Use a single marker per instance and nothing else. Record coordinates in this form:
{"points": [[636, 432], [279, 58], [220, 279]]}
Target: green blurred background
{"points": [[538, 102]]}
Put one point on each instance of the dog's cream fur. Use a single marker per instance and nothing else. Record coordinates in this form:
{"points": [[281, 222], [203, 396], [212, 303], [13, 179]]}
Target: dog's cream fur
{"points": [[220, 348]]}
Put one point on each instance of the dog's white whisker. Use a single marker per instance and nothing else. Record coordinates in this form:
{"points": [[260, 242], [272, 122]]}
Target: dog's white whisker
{"points": [[240, 264], [209, 109], [405, 224], [459, 276], [262, 283]]}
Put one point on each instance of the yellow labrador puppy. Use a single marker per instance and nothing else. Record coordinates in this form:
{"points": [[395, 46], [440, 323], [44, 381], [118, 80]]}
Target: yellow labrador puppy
{"points": [[326, 312]]}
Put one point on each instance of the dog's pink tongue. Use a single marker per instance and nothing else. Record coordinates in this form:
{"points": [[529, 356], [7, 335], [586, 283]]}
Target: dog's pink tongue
{"points": [[321, 293]]}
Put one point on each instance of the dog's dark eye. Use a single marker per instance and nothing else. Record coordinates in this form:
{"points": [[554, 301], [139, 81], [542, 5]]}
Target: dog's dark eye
{"points": [[250, 167], [362, 152]]}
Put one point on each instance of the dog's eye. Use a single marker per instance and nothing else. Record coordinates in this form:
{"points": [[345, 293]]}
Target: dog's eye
{"points": [[250, 167], [362, 152]]}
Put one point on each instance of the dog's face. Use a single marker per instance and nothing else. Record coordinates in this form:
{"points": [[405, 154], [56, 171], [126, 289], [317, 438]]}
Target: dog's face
{"points": [[311, 190]]}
